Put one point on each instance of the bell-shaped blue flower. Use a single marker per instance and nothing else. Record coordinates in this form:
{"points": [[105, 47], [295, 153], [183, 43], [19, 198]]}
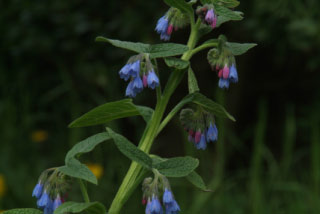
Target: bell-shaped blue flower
{"points": [[202, 144], [49, 208], [135, 69], [167, 196], [37, 191], [44, 200], [155, 207], [152, 80], [137, 86], [233, 76], [223, 83], [212, 133], [125, 72], [172, 208], [57, 202], [162, 25], [129, 91]]}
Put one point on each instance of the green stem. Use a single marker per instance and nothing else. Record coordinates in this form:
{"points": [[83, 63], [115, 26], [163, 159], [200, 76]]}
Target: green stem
{"points": [[130, 181], [84, 191], [204, 46]]}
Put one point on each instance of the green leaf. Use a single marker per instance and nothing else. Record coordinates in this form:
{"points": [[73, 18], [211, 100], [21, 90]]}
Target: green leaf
{"points": [[154, 51], [177, 167], [211, 106], [222, 19], [227, 14], [176, 63], [192, 81], [238, 48], [196, 180], [105, 113], [77, 207], [130, 150], [166, 50], [78, 170], [182, 5], [227, 3], [145, 112], [132, 46], [23, 211], [111, 111], [86, 145]]}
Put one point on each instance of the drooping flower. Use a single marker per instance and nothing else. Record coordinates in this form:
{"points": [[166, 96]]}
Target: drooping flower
{"points": [[227, 75], [233, 76], [152, 80], [207, 15], [162, 25], [155, 207], [169, 202], [129, 91], [57, 202], [44, 200], [124, 72], [137, 85], [200, 126], [37, 191]]}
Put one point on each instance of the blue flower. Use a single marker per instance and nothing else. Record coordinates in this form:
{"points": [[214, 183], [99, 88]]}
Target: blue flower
{"points": [[212, 133], [49, 208], [57, 202], [162, 25], [125, 72], [162, 28], [233, 76], [37, 191], [44, 200], [135, 69], [172, 208], [137, 86], [129, 91], [152, 79], [223, 83], [167, 196], [155, 207], [202, 144]]}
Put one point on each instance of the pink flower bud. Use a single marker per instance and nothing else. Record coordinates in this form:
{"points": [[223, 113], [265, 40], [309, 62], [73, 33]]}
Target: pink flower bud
{"points": [[220, 73], [197, 137], [225, 72], [144, 80], [170, 29]]}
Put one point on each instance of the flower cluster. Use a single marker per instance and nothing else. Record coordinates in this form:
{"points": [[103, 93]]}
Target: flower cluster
{"points": [[151, 196], [207, 15], [48, 191], [172, 20], [140, 71], [223, 62], [200, 126]]}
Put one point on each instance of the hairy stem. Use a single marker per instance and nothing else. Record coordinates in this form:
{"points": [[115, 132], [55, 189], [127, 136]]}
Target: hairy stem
{"points": [[84, 191], [130, 181]]}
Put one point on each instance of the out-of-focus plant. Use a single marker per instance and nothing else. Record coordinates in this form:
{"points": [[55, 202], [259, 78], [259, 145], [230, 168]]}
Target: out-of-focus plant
{"points": [[142, 72]]}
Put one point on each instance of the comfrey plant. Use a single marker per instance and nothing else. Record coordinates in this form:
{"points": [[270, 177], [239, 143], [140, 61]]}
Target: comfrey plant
{"points": [[141, 72]]}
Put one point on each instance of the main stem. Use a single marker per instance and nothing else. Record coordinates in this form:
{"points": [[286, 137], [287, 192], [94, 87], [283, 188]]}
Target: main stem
{"points": [[133, 176]]}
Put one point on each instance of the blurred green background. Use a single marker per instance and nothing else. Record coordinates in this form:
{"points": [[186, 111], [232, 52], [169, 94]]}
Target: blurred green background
{"points": [[52, 71]]}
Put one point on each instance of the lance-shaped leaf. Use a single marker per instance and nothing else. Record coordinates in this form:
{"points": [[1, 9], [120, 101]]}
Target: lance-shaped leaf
{"points": [[182, 5], [211, 106], [222, 18], [145, 112], [154, 51], [23, 211], [78, 170], [223, 11], [192, 81], [130, 150], [176, 63], [77, 207], [196, 180], [110, 111], [177, 167], [86, 145], [238, 48]]}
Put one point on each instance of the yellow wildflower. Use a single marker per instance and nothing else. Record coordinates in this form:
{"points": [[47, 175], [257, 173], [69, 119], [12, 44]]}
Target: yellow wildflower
{"points": [[2, 186], [39, 136], [96, 169]]}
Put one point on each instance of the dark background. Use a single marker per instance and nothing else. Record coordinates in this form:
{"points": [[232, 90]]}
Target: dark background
{"points": [[52, 71]]}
